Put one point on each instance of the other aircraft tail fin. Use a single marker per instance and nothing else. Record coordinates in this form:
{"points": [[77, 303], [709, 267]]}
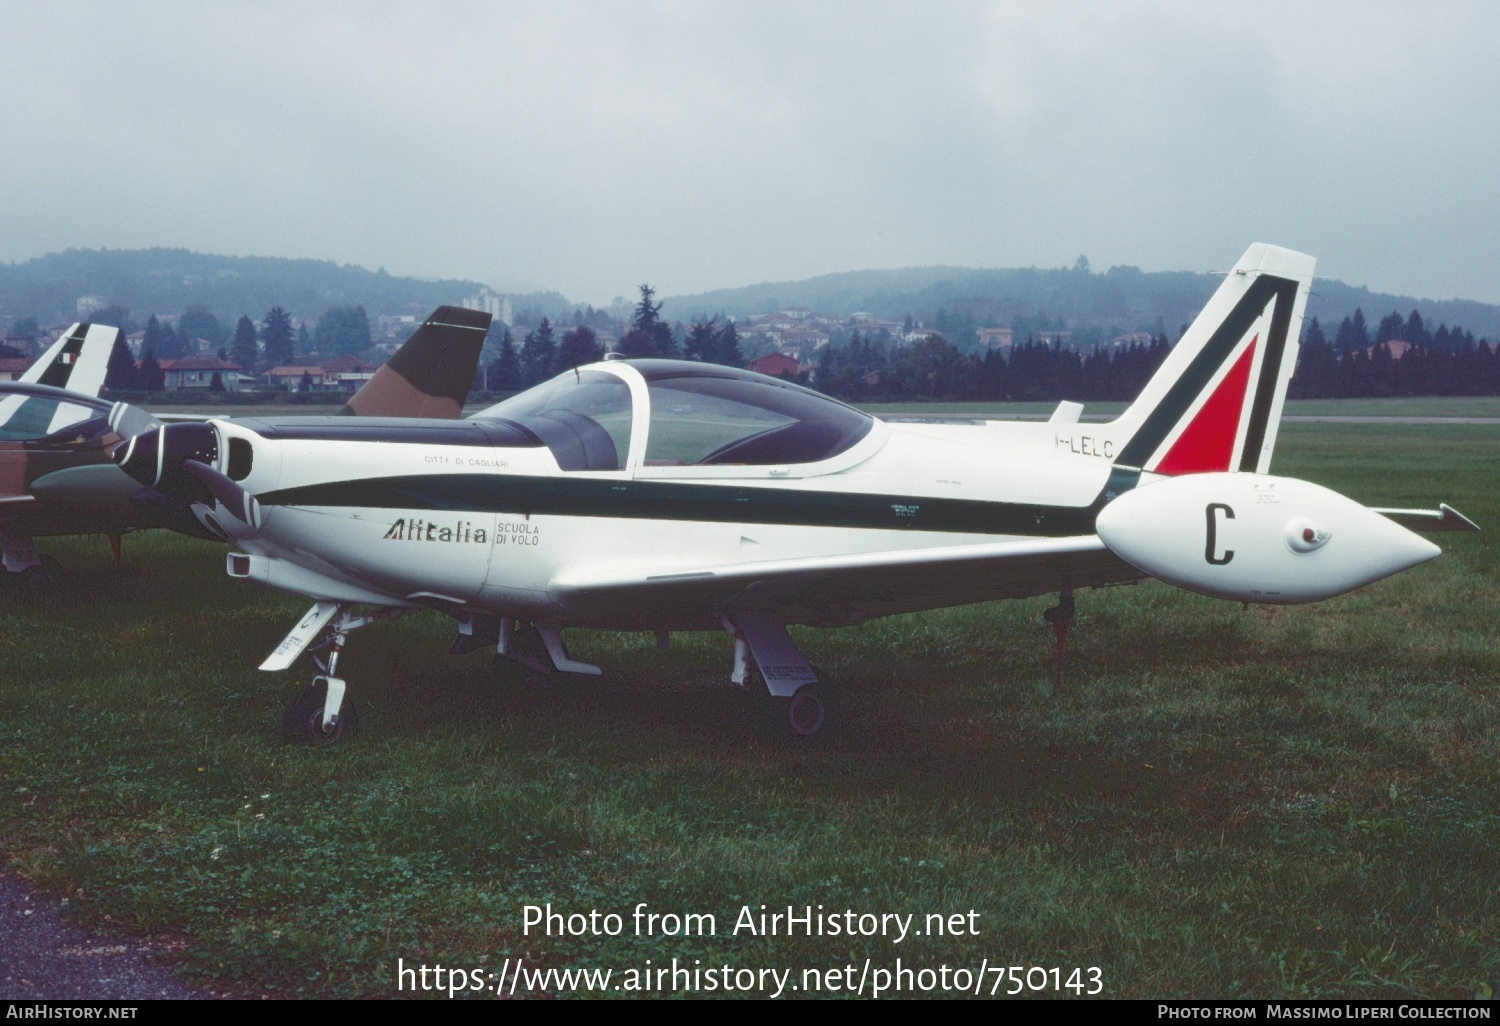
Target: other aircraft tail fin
{"points": [[1215, 402], [430, 375], [77, 361]]}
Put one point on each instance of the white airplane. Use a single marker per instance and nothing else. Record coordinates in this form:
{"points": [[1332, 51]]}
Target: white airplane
{"points": [[656, 495]]}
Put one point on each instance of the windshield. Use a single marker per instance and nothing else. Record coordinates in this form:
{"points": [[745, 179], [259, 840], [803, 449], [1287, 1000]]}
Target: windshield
{"points": [[583, 417], [743, 419]]}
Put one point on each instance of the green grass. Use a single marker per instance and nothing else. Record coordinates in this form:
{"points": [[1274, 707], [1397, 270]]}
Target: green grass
{"points": [[1224, 802]]}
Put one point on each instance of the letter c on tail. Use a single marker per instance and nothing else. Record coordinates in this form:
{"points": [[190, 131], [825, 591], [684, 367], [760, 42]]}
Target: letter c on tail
{"points": [[1213, 531]]}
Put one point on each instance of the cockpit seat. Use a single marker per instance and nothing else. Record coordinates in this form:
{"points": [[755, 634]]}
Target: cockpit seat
{"points": [[577, 441]]}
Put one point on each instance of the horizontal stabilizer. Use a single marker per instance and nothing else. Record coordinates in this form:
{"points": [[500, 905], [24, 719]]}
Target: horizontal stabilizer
{"points": [[1444, 518]]}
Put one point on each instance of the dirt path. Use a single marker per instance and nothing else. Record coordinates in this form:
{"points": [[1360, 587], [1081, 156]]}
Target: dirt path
{"points": [[42, 958]]}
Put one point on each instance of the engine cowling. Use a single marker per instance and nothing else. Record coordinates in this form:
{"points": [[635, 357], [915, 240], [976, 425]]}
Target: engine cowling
{"points": [[1256, 538]]}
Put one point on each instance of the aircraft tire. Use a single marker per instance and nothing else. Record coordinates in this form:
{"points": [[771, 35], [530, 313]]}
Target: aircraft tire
{"points": [[512, 675], [42, 578], [302, 722], [806, 717]]}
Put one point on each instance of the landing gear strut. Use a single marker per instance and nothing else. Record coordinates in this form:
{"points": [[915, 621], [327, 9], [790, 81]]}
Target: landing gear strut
{"points": [[539, 650], [319, 713], [25, 568], [1060, 617], [303, 722], [796, 703]]}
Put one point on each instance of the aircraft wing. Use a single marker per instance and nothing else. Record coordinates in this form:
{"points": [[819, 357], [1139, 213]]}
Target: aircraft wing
{"points": [[831, 590], [77, 361]]}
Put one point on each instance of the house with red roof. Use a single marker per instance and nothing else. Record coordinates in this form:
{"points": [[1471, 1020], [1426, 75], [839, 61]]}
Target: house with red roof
{"points": [[776, 365], [199, 371]]}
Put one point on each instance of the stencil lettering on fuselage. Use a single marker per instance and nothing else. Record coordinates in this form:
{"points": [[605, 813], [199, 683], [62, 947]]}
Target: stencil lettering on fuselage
{"points": [[420, 529], [1086, 445], [513, 532]]}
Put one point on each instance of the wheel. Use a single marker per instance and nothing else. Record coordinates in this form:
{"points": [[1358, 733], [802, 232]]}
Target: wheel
{"points": [[43, 577], [805, 717], [302, 723], [508, 672]]}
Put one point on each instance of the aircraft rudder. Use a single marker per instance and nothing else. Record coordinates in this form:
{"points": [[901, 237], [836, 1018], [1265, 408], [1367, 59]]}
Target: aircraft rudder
{"points": [[1214, 403], [430, 375]]}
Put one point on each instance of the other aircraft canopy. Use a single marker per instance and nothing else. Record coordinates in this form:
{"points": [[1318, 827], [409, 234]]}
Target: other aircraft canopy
{"points": [[40, 413]]}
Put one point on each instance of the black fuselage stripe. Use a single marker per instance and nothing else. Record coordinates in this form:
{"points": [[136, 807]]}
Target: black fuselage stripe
{"points": [[1270, 370], [1179, 398], [673, 501]]}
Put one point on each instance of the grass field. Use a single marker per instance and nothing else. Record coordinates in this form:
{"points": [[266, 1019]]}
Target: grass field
{"points": [[1224, 802]]}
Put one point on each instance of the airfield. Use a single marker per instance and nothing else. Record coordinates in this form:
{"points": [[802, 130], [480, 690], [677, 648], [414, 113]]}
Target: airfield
{"points": [[1221, 802]]}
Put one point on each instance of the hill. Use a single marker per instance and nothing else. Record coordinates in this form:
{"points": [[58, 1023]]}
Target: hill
{"points": [[1124, 298], [166, 281]]}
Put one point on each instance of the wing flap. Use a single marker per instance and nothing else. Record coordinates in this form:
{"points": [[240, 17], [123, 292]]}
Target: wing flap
{"points": [[832, 590]]}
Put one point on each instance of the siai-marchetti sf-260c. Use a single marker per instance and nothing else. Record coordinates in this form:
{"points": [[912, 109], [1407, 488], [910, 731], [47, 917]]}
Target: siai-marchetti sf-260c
{"points": [[659, 495]]}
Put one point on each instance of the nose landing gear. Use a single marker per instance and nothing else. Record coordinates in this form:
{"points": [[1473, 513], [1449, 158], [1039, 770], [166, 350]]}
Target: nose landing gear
{"points": [[319, 714]]}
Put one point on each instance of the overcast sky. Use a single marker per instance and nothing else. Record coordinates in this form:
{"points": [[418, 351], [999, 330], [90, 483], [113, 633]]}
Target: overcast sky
{"points": [[589, 147]]}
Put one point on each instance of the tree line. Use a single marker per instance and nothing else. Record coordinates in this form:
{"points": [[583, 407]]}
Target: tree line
{"points": [[272, 343], [1357, 363], [541, 354]]}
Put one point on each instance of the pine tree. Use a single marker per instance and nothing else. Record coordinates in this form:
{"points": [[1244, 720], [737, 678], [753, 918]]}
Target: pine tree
{"points": [[149, 377], [1317, 371], [648, 325], [579, 346], [727, 347], [119, 373], [538, 354], [1391, 326], [197, 321], [504, 372], [152, 339], [700, 341], [276, 336], [1415, 331], [244, 350], [342, 330]]}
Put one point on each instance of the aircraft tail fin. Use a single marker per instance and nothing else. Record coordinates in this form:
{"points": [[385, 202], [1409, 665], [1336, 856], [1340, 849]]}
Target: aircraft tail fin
{"points": [[77, 361], [1215, 402], [430, 375]]}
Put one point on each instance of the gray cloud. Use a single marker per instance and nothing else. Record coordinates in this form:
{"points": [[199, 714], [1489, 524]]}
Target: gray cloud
{"points": [[591, 146]]}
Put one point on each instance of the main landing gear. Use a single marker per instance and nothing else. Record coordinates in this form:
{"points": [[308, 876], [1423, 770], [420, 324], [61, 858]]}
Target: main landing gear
{"points": [[537, 648], [795, 699], [319, 714], [27, 571], [1060, 617]]}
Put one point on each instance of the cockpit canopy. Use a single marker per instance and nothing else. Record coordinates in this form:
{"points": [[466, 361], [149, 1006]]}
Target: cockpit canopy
{"points": [[39, 413], [699, 415]]}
